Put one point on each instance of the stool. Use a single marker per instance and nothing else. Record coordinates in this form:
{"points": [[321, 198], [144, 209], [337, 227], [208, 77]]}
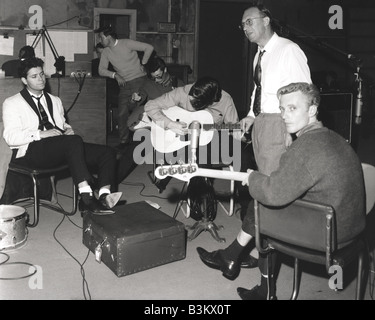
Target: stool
{"points": [[35, 174]]}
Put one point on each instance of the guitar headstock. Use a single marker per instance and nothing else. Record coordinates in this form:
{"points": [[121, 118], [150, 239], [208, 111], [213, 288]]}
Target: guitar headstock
{"points": [[181, 171]]}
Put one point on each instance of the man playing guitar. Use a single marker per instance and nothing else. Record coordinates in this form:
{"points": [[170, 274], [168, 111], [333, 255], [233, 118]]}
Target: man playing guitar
{"points": [[205, 94]]}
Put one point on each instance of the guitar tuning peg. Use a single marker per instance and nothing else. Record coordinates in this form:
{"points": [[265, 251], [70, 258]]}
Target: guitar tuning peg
{"points": [[181, 168], [172, 170]]}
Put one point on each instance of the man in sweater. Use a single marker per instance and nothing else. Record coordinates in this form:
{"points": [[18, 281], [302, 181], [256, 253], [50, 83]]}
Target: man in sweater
{"points": [[129, 72], [319, 166]]}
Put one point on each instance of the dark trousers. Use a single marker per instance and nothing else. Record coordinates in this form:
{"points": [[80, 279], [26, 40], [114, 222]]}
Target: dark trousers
{"points": [[125, 106], [82, 158]]}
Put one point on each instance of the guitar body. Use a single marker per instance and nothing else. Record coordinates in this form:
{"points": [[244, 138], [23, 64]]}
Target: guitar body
{"points": [[166, 141]]}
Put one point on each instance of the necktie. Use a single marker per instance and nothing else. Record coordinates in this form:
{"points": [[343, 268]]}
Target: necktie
{"points": [[44, 123], [257, 81]]}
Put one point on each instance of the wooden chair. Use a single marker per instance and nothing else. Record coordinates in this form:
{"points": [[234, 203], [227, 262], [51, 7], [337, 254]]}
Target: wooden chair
{"points": [[305, 231], [35, 174]]}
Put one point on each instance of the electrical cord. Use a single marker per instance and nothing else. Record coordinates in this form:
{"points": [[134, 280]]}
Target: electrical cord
{"points": [[85, 287], [134, 184], [6, 263], [80, 80], [56, 24]]}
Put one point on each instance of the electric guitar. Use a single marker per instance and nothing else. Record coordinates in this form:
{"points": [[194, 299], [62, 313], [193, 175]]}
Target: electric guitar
{"points": [[185, 172]]}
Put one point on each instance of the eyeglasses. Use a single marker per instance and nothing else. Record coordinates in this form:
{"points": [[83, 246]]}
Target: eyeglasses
{"points": [[248, 22]]}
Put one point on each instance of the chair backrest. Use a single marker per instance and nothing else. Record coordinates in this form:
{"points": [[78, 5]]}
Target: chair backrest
{"points": [[302, 223], [369, 176]]}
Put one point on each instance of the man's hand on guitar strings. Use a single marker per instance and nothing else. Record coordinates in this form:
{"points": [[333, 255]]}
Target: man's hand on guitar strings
{"points": [[178, 127]]}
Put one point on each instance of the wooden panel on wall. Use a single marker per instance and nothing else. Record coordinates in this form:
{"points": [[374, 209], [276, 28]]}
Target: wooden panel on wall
{"points": [[88, 115]]}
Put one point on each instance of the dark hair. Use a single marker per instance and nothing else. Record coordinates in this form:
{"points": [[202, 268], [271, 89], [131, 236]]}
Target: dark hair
{"points": [[107, 31], [205, 91], [309, 90], [264, 11], [155, 63], [26, 52], [28, 64]]}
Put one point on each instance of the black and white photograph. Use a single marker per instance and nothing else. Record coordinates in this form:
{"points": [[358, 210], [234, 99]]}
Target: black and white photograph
{"points": [[153, 152]]}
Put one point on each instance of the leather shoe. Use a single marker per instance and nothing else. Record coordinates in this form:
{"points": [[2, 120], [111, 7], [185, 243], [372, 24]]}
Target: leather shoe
{"points": [[88, 203], [249, 262], [215, 260], [109, 200], [253, 294]]}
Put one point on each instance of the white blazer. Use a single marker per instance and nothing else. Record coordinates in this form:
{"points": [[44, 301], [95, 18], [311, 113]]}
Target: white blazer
{"points": [[21, 122]]}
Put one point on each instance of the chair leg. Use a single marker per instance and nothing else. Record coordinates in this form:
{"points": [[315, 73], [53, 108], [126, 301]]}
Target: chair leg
{"points": [[54, 191], [271, 281], [358, 292], [296, 280], [229, 212], [36, 203]]}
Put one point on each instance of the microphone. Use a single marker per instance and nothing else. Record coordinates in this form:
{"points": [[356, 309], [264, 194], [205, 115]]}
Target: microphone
{"points": [[194, 128], [358, 106]]}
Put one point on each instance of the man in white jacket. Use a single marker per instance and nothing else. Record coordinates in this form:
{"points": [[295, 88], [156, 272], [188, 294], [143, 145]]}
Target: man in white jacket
{"points": [[39, 136]]}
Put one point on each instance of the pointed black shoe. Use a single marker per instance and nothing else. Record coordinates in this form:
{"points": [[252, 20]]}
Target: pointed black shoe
{"points": [[215, 260], [253, 294], [109, 200], [88, 203], [249, 262]]}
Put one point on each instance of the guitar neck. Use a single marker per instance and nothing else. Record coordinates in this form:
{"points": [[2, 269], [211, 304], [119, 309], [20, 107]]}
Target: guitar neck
{"points": [[229, 126], [222, 174]]}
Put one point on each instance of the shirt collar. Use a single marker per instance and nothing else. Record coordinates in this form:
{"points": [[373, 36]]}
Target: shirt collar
{"points": [[34, 95], [270, 44]]}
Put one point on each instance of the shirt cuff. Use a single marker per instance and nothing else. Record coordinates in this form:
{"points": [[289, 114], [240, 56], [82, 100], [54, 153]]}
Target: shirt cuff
{"points": [[36, 136]]}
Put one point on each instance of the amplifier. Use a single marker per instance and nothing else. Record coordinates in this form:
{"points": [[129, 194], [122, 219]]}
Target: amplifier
{"points": [[336, 113]]}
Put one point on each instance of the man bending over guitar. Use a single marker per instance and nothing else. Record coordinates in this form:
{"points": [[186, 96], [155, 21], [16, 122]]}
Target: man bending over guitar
{"points": [[204, 94]]}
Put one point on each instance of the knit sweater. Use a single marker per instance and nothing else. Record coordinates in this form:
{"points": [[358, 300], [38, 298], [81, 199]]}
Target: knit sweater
{"points": [[124, 58], [319, 166]]}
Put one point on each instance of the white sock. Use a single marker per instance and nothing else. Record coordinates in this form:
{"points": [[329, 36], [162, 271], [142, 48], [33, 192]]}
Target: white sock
{"points": [[243, 238], [86, 189], [104, 190]]}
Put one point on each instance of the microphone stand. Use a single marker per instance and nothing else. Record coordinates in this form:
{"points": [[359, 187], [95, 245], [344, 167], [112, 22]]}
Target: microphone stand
{"points": [[284, 28], [59, 60]]}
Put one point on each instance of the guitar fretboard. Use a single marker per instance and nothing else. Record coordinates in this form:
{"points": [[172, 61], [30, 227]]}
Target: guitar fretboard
{"points": [[228, 126]]}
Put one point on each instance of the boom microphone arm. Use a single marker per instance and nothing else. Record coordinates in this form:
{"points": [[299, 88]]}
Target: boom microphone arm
{"points": [[59, 60]]}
